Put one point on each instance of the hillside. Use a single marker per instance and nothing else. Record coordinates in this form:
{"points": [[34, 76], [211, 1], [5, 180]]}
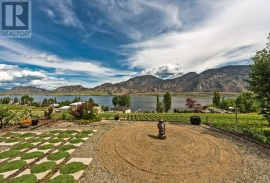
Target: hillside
{"points": [[224, 79]]}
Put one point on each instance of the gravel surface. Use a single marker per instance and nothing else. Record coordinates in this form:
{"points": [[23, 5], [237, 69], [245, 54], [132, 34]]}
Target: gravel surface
{"points": [[256, 168]]}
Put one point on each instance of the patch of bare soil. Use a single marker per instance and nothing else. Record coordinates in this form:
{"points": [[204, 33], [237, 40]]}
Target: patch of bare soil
{"points": [[189, 154]]}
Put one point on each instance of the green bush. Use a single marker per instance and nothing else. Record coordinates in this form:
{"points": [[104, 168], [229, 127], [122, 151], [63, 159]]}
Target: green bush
{"points": [[76, 141], [24, 179], [11, 140], [12, 165], [58, 155], [72, 168], [42, 167], [35, 140], [28, 135], [9, 154], [56, 140], [32, 155], [63, 179], [46, 146], [22, 146], [67, 147]]}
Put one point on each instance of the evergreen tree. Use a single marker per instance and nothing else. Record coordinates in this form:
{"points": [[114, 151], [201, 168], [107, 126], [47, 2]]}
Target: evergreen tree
{"points": [[167, 101], [216, 98]]}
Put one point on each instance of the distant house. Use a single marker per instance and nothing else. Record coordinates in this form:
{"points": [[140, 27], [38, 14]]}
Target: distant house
{"points": [[122, 109], [64, 108], [74, 105], [54, 105]]}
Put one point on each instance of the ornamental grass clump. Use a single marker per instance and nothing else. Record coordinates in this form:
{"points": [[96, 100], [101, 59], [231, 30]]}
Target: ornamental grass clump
{"points": [[9, 154], [24, 179], [22, 146], [46, 146], [42, 167], [63, 179], [72, 168], [12, 165], [32, 155]]}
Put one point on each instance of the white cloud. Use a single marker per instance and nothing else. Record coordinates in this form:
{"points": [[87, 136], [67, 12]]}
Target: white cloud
{"points": [[11, 76], [166, 71], [135, 18], [219, 38], [62, 12]]}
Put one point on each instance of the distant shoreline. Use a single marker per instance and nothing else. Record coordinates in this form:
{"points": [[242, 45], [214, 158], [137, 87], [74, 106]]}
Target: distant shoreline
{"points": [[182, 94]]}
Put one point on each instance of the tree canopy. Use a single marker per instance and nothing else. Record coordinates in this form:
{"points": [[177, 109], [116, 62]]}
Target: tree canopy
{"points": [[259, 79], [167, 100]]}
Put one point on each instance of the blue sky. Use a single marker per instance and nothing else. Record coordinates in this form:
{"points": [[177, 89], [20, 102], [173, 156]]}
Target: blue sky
{"points": [[91, 42]]}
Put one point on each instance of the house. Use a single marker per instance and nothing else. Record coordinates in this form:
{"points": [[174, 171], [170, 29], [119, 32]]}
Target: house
{"points": [[64, 108], [74, 105], [54, 105], [122, 109]]}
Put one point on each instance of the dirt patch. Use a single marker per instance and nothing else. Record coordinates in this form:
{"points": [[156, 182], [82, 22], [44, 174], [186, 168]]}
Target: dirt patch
{"points": [[189, 154]]}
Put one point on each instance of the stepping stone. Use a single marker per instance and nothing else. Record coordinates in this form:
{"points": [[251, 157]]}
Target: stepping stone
{"points": [[71, 151], [28, 161], [8, 144], [78, 174], [6, 174], [1, 160], [94, 130], [35, 149], [91, 134]]}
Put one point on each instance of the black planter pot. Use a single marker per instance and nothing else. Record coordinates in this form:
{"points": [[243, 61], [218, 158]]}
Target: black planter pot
{"points": [[195, 120], [116, 117], [34, 122]]}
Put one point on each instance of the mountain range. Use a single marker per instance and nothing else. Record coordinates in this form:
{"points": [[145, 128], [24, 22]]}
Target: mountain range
{"points": [[224, 79]]}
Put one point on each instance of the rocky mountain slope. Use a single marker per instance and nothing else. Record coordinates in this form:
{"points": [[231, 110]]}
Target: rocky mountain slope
{"points": [[224, 79]]}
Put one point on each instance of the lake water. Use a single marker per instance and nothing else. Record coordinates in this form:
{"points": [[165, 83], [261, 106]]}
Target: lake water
{"points": [[146, 103]]}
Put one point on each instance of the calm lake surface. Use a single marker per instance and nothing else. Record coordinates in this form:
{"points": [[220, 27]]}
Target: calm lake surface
{"points": [[146, 103]]}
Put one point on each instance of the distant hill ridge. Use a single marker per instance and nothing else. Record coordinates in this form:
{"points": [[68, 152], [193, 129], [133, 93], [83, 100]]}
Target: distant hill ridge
{"points": [[225, 79]]}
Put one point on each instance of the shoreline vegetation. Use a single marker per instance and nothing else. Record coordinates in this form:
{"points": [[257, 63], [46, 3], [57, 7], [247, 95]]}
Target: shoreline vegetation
{"points": [[179, 94]]}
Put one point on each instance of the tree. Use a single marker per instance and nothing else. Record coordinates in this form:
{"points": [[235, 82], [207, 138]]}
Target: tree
{"points": [[45, 102], [116, 101], [76, 99], [193, 104], [216, 98], [247, 102], [160, 106], [167, 101], [226, 103], [125, 100], [105, 108], [259, 79], [15, 101], [55, 101], [26, 99], [6, 100]]}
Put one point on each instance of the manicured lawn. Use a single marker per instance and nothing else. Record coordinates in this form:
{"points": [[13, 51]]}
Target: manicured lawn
{"points": [[12, 165], [24, 179], [58, 155], [32, 155], [72, 168], [42, 167], [63, 179]]}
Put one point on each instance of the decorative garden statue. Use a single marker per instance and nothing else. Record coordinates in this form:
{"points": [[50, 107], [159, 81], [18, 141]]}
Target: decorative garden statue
{"points": [[161, 129]]}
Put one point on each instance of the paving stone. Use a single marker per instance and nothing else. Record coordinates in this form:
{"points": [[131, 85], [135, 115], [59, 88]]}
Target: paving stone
{"points": [[8, 144], [38, 175], [6, 174], [35, 149], [94, 130]]}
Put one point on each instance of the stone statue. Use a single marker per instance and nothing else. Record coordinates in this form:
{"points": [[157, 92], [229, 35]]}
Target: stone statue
{"points": [[161, 129]]}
